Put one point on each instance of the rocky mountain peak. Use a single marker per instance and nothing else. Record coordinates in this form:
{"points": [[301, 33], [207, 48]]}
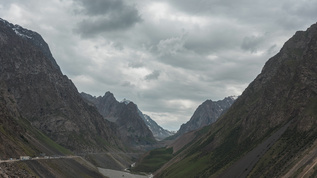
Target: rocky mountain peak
{"points": [[34, 38], [108, 94], [206, 113], [125, 116]]}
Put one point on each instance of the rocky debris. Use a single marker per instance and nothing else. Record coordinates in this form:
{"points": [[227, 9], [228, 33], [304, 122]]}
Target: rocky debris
{"points": [[12, 170]]}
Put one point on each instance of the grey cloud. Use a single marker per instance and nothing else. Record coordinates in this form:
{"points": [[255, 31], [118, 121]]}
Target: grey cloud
{"points": [[106, 16], [127, 84], [100, 7], [170, 46], [136, 64], [153, 76], [272, 50], [118, 46], [251, 43]]}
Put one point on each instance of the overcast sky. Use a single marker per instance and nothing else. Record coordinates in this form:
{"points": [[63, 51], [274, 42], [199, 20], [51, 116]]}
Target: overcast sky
{"points": [[167, 56]]}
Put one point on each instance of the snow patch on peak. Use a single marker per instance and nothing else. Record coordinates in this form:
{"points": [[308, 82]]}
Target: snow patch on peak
{"points": [[234, 97], [125, 101], [18, 29]]}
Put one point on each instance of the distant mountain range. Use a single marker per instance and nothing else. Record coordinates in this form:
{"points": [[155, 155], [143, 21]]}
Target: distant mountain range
{"points": [[134, 122]]}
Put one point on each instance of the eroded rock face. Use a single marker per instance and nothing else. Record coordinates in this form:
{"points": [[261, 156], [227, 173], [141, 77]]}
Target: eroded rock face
{"points": [[45, 96]]}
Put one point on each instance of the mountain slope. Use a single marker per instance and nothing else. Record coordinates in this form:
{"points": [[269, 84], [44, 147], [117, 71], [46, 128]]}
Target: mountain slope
{"points": [[268, 129], [158, 132], [46, 97], [17, 136], [125, 116]]}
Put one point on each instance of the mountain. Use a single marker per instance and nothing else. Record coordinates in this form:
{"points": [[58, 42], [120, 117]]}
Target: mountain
{"points": [[19, 138], [125, 115], [206, 113], [158, 132], [269, 131], [46, 97]]}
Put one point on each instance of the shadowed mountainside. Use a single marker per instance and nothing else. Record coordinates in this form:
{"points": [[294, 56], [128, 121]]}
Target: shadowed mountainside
{"points": [[270, 128]]}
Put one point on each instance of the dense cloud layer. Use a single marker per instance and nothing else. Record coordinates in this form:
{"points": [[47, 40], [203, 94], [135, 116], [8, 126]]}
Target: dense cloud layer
{"points": [[105, 15], [166, 56]]}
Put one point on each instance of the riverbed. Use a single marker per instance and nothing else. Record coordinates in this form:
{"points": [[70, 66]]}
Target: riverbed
{"points": [[115, 174]]}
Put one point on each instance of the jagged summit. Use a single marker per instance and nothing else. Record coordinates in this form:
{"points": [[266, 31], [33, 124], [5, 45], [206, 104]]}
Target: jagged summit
{"points": [[125, 116], [125, 101], [110, 108], [207, 113]]}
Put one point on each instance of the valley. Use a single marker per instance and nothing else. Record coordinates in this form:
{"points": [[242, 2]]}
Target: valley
{"points": [[49, 129]]}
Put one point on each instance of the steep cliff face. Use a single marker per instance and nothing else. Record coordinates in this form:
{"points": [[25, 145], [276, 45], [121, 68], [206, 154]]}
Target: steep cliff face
{"points": [[125, 116], [13, 142], [17, 136], [207, 113], [270, 130], [46, 97]]}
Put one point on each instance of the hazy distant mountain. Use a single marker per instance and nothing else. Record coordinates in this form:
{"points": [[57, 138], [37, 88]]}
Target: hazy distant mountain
{"points": [[126, 117], [207, 113], [269, 131], [46, 97]]}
